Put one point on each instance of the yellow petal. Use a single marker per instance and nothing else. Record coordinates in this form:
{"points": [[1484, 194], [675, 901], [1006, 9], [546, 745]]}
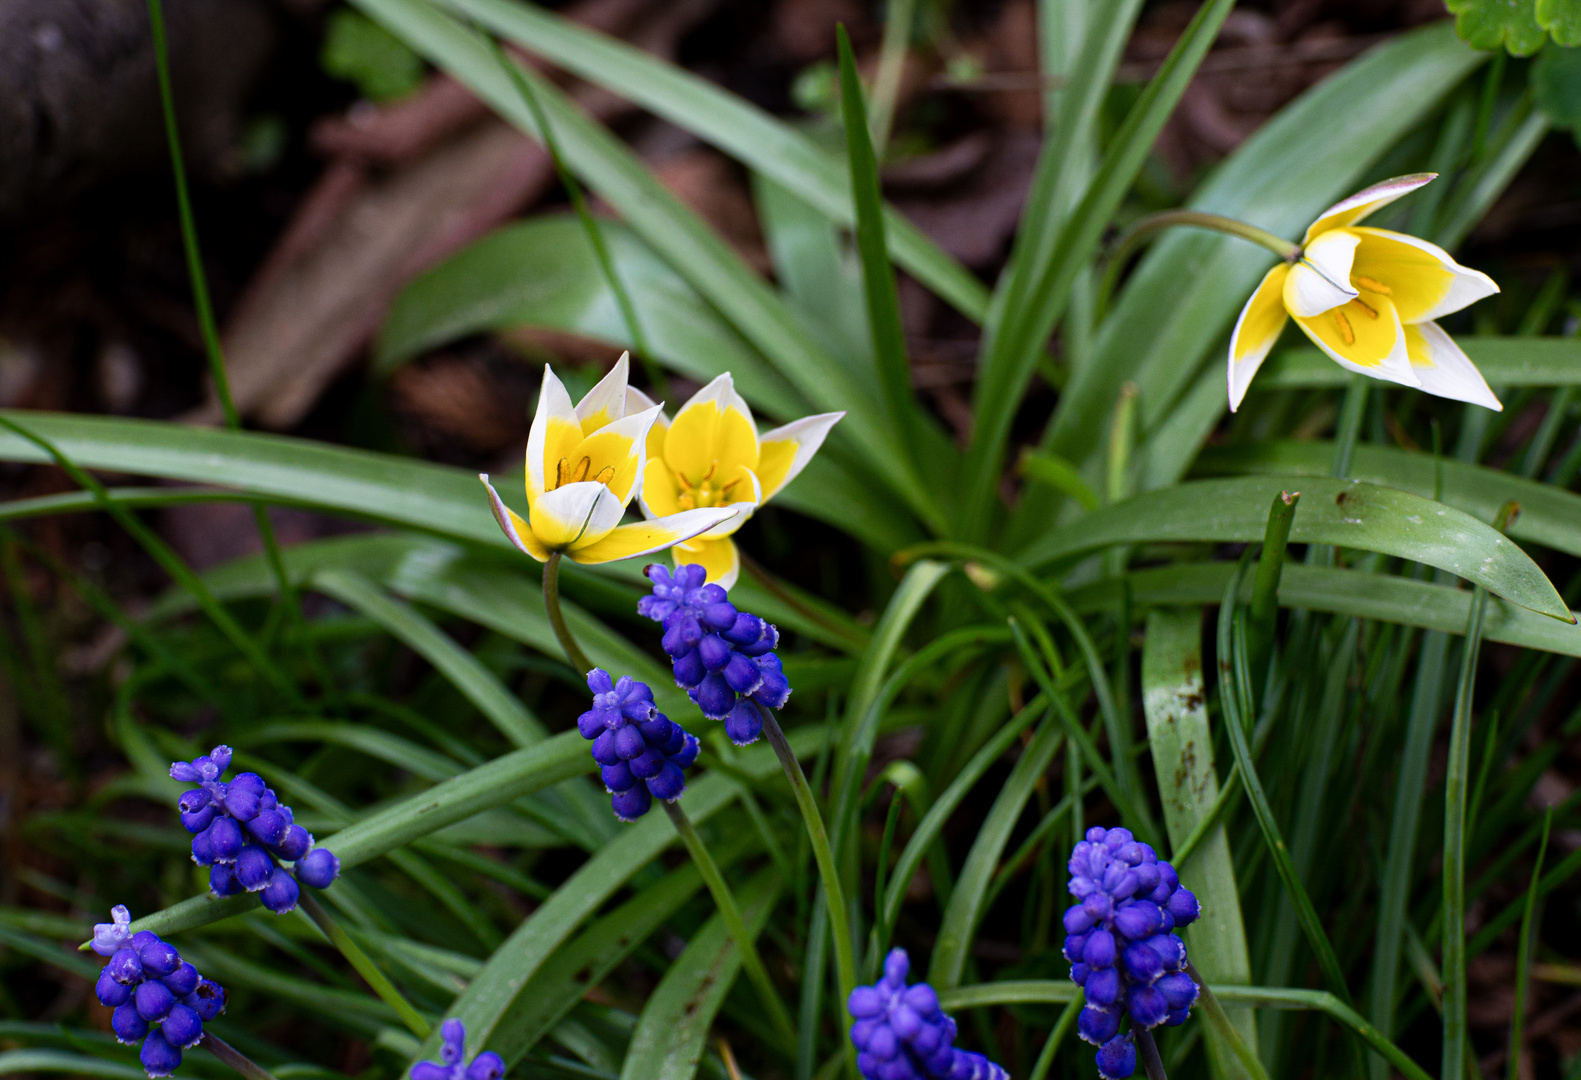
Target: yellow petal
{"points": [[713, 430], [1424, 282], [517, 530], [1364, 202], [1364, 336], [721, 559], [1257, 329], [555, 431], [606, 402], [646, 537], [582, 511], [1443, 369], [660, 493], [785, 451], [1321, 280], [744, 497]]}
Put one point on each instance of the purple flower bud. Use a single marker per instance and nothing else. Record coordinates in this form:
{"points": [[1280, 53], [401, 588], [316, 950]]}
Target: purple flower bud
{"points": [[202, 853], [688, 669], [159, 1058], [1141, 963], [198, 820], [129, 1028], [647, 764], [715, 652], [744, 724], [159, 958], [1178, 988], [714, 697], [295, 844], [225, 839], [1077, 920], [253, 866], [153, 1000], [864, 1001], [1097, 1026], [592, 723], [668, 784], [687, 754], [318, 868], [110, 991], [628, 742], [280, 894], [222, 880], [183, 980], [1138, 919], [1101, 949], [617, 777], [183, 1027], [192, 801], [1146, 1005], [632, 804], [743, 674], [208, 1000], [1103, 986], [486, 1066], [268, 827], [604, 751], [126, 966], [1117, 1058], [1183, 906]]}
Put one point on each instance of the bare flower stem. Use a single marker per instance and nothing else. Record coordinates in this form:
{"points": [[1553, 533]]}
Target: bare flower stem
{"points": [[1147, 1050], [551, 602], [234, 1057]]}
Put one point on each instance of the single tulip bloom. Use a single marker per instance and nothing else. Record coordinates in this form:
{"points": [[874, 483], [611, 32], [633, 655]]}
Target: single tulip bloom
{"points": [[584, 466], [1367, 297], [713, 456]]}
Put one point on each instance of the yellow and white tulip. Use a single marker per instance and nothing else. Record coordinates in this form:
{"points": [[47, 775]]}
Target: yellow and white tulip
{"points": [[584, 466], [1367, 297], [713, 456]]}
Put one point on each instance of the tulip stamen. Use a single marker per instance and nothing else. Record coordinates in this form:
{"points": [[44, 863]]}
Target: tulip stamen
{"points": [[564, 474], [1374, 285], [1345, 331], [1371, 312]]}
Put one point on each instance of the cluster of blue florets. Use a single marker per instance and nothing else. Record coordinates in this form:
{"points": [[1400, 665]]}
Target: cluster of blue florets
{"points": [[240, 828], [159, 999], [901, 1033], [641, 753], [1122, 946], [453, 1034], [723, 658]]}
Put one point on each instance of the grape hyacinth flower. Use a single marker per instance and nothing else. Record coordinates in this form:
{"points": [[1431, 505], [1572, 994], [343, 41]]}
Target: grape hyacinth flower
{"points": [[901, 1033], [641, 753], [159, 1000], [242, 831], [1121, 943], [723, 658], [486, 1066]]}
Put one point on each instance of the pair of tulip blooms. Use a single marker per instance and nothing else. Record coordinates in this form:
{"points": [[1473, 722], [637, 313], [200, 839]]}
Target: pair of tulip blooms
{"points": [[697, 478]]}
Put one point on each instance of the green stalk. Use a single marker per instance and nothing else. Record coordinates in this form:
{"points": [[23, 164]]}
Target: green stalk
{"points": [[1147, 1050], [1067, 1020], [1523, 955], [1225, 1028], [1149, 226], [209, 328], [1265, 586], [234, 1057], [1348, 427], [730, 911], [834, 893], [551, 601], [1227, 795], [376, 979]]}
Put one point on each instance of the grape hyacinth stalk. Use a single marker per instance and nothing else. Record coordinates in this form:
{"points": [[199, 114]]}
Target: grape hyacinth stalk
{"points": [[160, 1000], [1122, 947], [242, 831], [724, 659], [900, 1032]]}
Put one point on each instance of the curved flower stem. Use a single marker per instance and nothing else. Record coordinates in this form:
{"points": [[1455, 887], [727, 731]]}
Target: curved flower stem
{"points": [[839, 923], [730, 911], [1144, 229], [234, 1057], [1226, 1030], [376, 979], [551, 602], [1147, 1050]]}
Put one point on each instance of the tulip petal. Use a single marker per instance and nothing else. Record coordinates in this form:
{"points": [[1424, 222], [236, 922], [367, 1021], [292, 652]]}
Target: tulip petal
{"points": [[614, 455], [606, 402], [661, 492], [1321, 280], [1364, 202], [785, 451], [1363, 336], [555, 432], [646, 537], [519, 532], [636, 402], [720, 558], [1443, 369], [713, 431], [744, 497], [1422, 280], [1257, 329], [573, 511]]}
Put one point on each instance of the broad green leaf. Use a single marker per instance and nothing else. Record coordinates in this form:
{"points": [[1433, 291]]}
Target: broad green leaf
{"points": [[727, 121], [1562, 19], [1549, 515], [1503, 361], [1556, 86], [464, 670], [609, 167], [1174, 701], [1496, 24], [1343, 592], [670, 1036], [1184, 294], [543, 272], [62, 1061], [1343, 513], [381, 745], [496, 783], [964, 911]]}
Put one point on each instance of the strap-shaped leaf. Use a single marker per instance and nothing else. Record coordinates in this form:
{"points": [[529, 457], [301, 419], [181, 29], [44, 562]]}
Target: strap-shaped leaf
{"points": [[1343, 513], [1503, 361]]}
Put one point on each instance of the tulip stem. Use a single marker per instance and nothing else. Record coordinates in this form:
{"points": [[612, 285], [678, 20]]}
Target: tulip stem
{"points": [[551, 601], [1226, 1030], [834, 895], [376, 979], [234, 1057], [1147, 1050], [730, 911], [1144, 229]]}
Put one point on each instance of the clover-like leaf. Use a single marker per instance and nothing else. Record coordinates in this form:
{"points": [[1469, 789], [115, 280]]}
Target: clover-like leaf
{"points": [[1562, 19], [1556, 86], [1490, 24]]}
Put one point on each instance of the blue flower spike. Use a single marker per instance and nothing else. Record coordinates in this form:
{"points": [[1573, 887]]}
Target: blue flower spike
{"points": [[723, 658], [900, 1032], [642, 755], [453, 1049], [1121, 943], [159, 1000], [242, 832]]}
